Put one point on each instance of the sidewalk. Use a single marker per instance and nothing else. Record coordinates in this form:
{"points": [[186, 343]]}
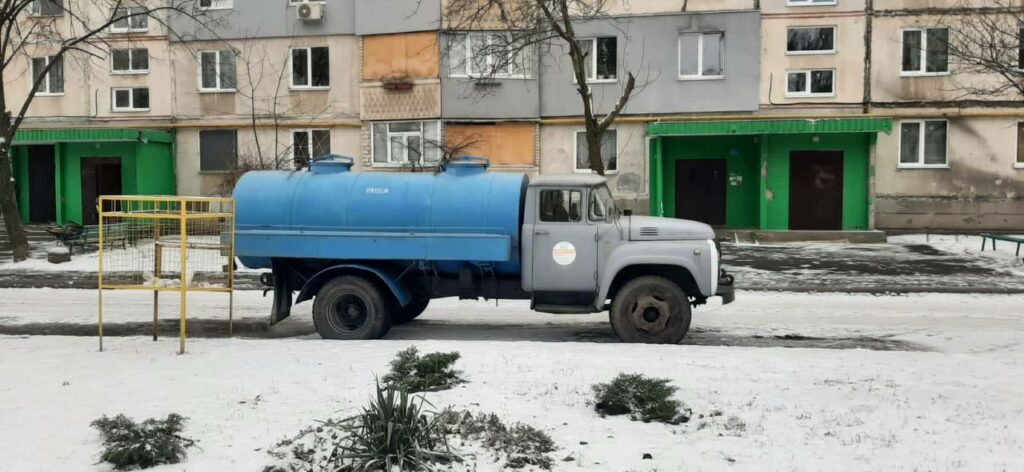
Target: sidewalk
{"points": [[912, 263]]}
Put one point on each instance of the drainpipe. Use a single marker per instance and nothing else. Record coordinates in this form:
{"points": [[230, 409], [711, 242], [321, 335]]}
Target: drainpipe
{"points": [[869, 13]]}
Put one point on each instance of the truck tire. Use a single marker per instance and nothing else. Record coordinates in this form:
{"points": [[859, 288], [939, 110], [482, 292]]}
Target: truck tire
{"points": [[405, 314], [650, 310], [350, 307]]}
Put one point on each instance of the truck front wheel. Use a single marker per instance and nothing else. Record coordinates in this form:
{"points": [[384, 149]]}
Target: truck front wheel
{"points": [[350, 307], [651, 310]]}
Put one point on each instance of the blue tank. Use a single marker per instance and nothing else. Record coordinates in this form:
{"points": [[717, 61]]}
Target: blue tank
{"points": [[464, 214]]}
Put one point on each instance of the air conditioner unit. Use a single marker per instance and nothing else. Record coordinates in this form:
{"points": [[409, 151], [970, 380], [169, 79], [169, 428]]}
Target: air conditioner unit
{"points": [[310, 11]]}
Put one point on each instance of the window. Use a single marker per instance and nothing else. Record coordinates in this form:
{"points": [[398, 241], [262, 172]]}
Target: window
{"points": [[600, 65], [810, 83], [53, 83], [809, 3], [311, 68], [1019, 163], [602, 205], [130, 61], [130, 20], [215, 4], [218, 150], [309, 144], [811, 40], [1020, 48], [131, 99], [217, 71], [560, 206], [701, 56], [925, 51], [923, 143], [405, 142], [488, 54], [609, 151], [48, 8]]}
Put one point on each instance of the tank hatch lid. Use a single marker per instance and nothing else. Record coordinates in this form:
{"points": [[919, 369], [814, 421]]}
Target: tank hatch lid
{"points": [[573, 180], [331, 164]]}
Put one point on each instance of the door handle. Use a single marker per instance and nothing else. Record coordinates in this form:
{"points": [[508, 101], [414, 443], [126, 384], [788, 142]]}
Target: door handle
{"points": [[540, 231]]}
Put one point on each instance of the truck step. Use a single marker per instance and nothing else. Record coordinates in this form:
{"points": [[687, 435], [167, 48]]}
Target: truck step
{"points": [[564, 309]]}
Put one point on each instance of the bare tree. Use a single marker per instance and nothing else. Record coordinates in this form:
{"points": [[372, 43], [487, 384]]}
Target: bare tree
{"points": [[523, 31], [40, 36], [985, 47]]}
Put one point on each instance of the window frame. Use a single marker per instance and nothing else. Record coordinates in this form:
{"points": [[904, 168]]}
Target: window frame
{"points": [[219, 88], [576, 148], [923, 70], [423, 143], [526, 70], [921, 146], [835, 40], [593, 59], [200, 153], [214, 6], [811, 3], [309, 142], [130, 29], [809, 93], [584, 208], [309, 68], [1018, 160], [46, 81], [131, 54], [131, 98], [36, 12], [700, 57]]}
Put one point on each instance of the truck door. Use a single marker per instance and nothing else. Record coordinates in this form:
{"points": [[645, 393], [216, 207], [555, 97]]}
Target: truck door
{"points": [[564, 243]]}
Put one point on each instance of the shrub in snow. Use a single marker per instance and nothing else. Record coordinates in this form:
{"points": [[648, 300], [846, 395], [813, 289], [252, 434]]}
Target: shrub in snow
{"points": [[519, 445], [642, 398], [129, 445], [394, 432], [430, 372]]}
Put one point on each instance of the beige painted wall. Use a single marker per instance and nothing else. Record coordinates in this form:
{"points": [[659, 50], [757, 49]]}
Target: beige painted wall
{"points": [[629, 184], [264, 77], [848, 60], [344, 141], [981, 189]]}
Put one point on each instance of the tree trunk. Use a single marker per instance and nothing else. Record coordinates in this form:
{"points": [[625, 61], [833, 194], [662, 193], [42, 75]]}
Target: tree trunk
{"points": [[9, 207], [594, 150]]}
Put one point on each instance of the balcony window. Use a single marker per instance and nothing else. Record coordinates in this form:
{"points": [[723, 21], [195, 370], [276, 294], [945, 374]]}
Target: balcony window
{"points": [[702, 56]]}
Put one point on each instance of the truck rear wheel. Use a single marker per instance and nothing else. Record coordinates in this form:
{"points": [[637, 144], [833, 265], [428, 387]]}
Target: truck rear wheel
{"points": [[650, 310], [405, 314], [350, 307]]}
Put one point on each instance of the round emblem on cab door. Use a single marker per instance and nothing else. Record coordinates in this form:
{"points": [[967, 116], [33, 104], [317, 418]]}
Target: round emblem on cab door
{"points": [[563, 253]]}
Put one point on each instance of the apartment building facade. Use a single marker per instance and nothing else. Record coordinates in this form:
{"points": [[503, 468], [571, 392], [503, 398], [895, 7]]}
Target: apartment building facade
{"points": [[770, 114]]}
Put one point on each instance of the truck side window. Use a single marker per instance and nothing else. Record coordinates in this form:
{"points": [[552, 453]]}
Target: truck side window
{"points": [[560, 206]]}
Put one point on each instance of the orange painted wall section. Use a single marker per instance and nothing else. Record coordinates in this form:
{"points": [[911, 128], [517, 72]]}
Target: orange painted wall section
{"points": [[503, 143], [401, 56]]}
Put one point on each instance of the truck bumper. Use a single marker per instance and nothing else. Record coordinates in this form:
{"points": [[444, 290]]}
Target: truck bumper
{"points": [[725, 288]]}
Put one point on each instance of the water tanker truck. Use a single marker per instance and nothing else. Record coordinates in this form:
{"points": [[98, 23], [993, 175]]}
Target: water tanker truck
{"points": [[371, 249]]}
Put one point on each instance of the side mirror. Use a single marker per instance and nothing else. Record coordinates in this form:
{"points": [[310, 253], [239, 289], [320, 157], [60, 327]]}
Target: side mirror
{"points": [[627, 212]]}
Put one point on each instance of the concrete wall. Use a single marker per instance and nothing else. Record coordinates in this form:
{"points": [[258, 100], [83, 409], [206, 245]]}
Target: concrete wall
{"points": [[628, 184], [264, 19], [396, 16], [981, 188], [648, 47], [344, 141], [847, 60]]}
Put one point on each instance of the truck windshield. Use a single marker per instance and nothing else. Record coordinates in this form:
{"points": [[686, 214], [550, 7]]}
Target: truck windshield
{"points": [[602, 205]]}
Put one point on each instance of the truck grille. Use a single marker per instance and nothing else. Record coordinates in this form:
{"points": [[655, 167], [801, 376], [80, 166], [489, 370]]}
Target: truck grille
{"points": [[648, 231]]}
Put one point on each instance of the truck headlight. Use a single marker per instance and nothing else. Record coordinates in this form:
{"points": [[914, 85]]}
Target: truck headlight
{"points": [[713, 248]]}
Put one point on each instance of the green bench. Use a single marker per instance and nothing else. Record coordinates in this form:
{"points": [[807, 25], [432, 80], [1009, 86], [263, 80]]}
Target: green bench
{"points": [[113, 234], [1000, 237]]}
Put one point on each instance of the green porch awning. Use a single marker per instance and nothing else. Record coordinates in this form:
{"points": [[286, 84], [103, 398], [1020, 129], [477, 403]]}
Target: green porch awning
{"points": [[106, 135], [741, 127]]}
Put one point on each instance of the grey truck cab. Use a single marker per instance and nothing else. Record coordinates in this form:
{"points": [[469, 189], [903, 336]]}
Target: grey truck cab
{"points": [[582, 254]]}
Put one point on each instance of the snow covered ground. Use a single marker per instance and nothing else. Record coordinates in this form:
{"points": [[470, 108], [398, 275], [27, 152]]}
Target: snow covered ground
{"points": [[942, 393]]}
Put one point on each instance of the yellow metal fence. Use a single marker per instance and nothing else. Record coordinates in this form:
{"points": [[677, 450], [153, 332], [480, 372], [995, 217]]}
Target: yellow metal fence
{"points": [[166, 244]]}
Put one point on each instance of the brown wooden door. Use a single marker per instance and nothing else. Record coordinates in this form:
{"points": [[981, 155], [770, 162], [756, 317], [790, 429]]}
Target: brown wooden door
{"points": [[700, 190], [816, 190], [100, 176], [42, 190]]}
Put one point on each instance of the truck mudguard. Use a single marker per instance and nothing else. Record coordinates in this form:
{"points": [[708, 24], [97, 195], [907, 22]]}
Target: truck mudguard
{"points": [[698, 257], [398, 289]]}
